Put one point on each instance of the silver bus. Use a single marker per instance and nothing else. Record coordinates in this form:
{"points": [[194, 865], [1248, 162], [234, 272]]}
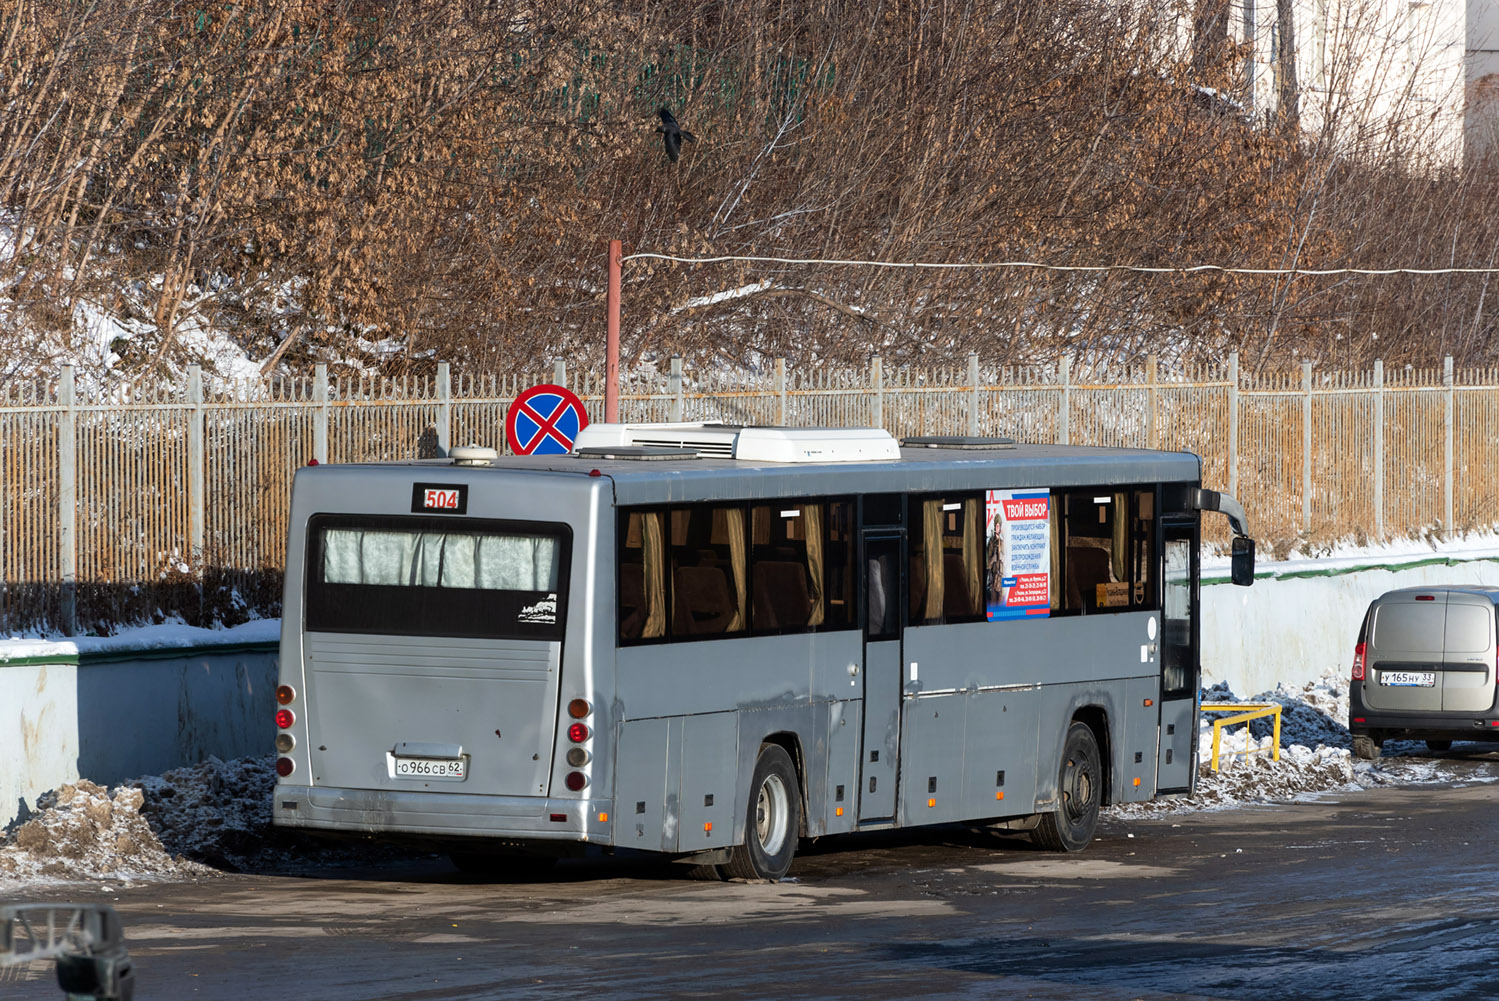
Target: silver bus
{"points": [[712, 641]]}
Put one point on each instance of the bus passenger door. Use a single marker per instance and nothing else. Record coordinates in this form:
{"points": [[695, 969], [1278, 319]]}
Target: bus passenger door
{"points": [[884, 605], [1180, 670]]}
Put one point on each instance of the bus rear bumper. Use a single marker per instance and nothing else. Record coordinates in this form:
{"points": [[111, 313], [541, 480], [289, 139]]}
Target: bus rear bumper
{"points": [[387, 812]]}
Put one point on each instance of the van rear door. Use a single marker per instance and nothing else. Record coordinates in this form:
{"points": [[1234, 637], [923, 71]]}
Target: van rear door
{"points": [[1404, 652], [1468, 654]]}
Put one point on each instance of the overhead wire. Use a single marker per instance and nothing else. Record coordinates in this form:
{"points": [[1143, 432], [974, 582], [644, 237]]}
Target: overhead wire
{"points": [[1041, 266]]}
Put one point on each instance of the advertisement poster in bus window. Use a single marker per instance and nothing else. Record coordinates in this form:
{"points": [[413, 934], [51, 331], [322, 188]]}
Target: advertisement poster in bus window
{"points": [[1017, 572]]}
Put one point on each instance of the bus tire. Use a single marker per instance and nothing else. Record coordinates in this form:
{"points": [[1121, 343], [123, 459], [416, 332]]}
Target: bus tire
{"points": [[1365, 746], [772, 821], [1069, 826]]}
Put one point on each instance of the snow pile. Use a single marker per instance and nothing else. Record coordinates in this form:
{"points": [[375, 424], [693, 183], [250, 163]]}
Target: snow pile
{"points": [[1315, 752], [82, 832], [187, 823]]}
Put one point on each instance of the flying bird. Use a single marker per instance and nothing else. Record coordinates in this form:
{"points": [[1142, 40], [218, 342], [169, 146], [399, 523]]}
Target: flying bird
{"points": [[673, 135]]}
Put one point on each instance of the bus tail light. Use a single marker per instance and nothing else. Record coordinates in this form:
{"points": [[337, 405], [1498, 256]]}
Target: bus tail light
{"points": [[1358, 662], [286, 695], [285, 766], [579, 708], [285, 718], [578, 732], [576, 781]]}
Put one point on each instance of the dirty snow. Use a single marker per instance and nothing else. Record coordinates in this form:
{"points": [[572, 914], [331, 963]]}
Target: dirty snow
{"points": [[189, 823], [1315, 753]]}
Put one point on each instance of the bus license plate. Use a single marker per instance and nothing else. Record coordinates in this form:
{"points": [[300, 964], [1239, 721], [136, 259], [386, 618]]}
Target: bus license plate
{"points": [[431, 768], [1409, 679]]}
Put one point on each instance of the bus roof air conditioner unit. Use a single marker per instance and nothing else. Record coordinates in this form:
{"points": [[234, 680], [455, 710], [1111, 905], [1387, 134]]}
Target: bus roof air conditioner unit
{"points": [[753, 444]]}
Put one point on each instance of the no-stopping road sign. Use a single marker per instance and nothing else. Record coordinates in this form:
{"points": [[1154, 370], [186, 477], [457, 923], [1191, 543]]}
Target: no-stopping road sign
{"points": [[544, 420]]}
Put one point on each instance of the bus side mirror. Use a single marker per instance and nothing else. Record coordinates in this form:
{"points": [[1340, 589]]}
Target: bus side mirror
{"points": [[1242, 572]]}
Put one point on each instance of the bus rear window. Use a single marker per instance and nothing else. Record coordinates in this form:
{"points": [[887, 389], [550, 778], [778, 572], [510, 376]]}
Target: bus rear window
{"points": [[436, 577]]}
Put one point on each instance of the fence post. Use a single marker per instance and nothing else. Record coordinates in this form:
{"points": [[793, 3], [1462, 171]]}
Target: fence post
{"points": [[559, 373], [195, 473], [973, 390], [1064, 419], [320, 422], [877, 376], [67, 499], [1233, 424], [1150, 439], [1306, 446], [674, 386], [444, 408], [781, 392], [1379, 448], [1447, 392]]}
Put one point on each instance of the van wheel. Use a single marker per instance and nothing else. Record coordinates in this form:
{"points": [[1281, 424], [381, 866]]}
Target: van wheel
{"points": [[772, 821], [1070, 825], [1364, 746], [1439, 745]]}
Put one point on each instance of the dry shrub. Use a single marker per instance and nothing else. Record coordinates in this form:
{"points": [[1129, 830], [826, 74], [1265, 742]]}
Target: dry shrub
{"points": [[444, 175]]}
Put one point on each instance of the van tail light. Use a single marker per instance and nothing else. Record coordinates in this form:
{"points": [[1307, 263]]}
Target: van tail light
{"points": [[1358, 662]]}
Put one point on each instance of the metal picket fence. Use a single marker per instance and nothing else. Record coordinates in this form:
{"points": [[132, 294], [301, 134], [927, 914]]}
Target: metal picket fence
{"points": [[117, 503]]}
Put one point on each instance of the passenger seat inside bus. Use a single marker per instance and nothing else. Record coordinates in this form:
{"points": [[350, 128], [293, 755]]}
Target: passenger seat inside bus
{"points": [[1087, 567], [781, 597], [704, 601]]}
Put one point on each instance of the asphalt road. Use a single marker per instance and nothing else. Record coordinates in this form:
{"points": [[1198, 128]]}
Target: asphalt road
{"points": [[1391, 893]]}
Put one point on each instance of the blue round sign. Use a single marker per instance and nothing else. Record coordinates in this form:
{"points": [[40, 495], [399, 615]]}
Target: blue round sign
{"points": [[544, 420]]}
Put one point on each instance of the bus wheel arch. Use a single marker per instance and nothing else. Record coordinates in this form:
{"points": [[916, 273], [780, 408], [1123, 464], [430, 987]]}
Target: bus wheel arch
{"points": [[1069, 825], [1096, 718], [773, 817]]}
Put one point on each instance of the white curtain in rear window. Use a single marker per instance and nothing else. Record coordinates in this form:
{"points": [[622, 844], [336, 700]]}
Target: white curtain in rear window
{"points": [[440, 559]]}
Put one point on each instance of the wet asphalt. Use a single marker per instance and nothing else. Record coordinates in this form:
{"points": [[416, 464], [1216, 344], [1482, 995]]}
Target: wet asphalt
{"points": [[1388, 893]]}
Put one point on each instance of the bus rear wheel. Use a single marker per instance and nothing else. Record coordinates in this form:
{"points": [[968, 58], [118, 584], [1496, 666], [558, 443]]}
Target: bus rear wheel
{"points": [[1069, 826], [772, 822]]}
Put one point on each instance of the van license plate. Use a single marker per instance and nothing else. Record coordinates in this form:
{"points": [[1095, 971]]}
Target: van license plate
{"points": [[431, 768], [1409, 679]]}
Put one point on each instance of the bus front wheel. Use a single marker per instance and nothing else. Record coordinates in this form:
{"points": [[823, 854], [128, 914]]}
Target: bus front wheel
{"points": [[772, 822], [1069, 826]]}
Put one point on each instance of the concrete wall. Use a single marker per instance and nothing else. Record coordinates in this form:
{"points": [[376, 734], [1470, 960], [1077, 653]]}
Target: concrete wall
{"points": [[1294, 627], [116, 715]]}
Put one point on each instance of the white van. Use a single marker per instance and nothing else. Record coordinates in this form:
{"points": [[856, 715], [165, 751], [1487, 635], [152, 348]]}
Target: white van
{"points": [[1425, 668]]}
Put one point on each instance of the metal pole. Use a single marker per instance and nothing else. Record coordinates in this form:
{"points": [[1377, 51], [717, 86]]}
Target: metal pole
{"points": [[67, 499], [195, 472], [1064, 419], [973, 397], [1306, 446], [1379, 448], [1150, 435], [444, 408], [675, 388], [1233, 424], [781, 392], [320, 422], [1447, 505], [611, 361]]}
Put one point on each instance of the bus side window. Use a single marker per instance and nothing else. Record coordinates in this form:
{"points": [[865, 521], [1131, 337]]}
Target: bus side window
{"points": [[1106, 551], [642, 575], [947, 560], [842, 591], [708, 560]]}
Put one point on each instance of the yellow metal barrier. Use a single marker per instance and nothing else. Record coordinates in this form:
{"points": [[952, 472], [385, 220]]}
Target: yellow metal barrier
{"points": [[1250, 710]]}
